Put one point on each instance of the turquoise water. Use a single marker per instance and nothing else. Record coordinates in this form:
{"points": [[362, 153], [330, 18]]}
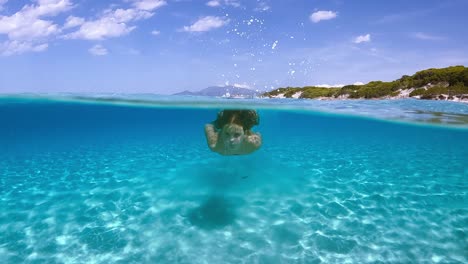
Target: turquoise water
{"points": [[128, 182]]}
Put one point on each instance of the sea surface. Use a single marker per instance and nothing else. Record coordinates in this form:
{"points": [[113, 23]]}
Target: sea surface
{"points": [[130, 179]]}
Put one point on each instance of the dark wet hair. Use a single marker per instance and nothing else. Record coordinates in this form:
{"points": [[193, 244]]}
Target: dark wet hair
{"points": [[245, 118]]}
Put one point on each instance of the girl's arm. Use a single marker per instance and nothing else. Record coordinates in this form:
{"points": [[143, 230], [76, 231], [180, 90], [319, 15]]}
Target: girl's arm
{"points": [[211, 135], [254, 140]]}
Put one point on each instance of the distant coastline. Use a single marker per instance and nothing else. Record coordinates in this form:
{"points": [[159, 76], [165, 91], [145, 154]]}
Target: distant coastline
{"points": [[449, 84]]}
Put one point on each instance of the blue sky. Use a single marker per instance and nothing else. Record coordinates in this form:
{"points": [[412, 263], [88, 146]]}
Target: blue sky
{"points": [[164, 46]]}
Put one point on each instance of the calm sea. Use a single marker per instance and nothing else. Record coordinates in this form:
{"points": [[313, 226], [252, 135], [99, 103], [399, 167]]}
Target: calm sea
{"points": [[133, 181]]}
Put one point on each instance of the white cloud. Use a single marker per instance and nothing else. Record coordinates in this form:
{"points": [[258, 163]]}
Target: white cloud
{"points": [[46, 8], [27, 30], [262, 7], [73, 21], [111, 24], [149, 5], [216, 3], [322, 15], [106, 27], [155, 32], [114, 23], [206, 24], [98, 50], [26, 24], [358, 83], [362, 38], [424, 36], [213, 3], [234, 3], [15, 47], [241, 85]]}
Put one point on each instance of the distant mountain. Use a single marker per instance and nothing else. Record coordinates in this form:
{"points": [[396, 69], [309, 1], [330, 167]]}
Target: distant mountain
{"points": [[223, 91]]}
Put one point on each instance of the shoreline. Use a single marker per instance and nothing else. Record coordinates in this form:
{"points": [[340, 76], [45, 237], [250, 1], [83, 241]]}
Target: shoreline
{"points": [[404, 94]]}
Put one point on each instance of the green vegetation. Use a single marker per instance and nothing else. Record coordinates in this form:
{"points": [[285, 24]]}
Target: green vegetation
{"points": [[315, 92], [428, 84], [375, 89]]}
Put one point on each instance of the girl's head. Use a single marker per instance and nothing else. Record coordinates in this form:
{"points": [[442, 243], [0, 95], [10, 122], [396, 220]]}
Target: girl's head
{"points": [[233, 125], [232, 136], [244, 118]]}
